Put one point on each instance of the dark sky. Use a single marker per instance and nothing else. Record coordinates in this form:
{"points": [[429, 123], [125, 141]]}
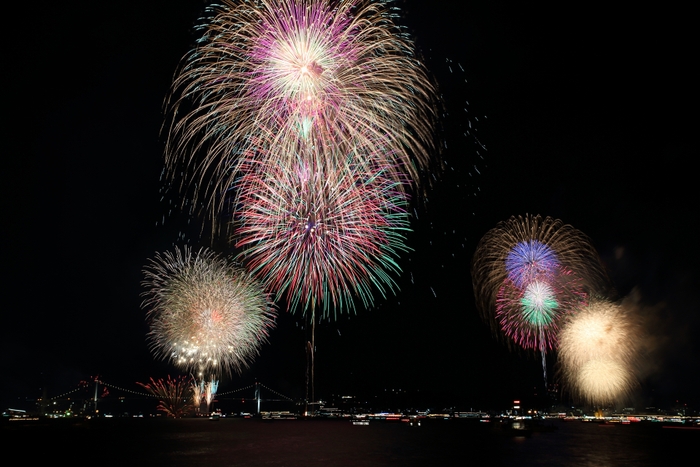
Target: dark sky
{"points": [[585, 114]]}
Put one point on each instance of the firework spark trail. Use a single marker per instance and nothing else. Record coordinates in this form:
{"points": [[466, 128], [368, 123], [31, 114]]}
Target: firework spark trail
{"points": [[320, 235], [210, 389], [204, 313], [197, 394], [599, 351], [174, 394], [282, 78]]}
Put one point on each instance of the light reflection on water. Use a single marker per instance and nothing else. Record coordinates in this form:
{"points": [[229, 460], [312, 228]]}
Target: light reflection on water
{"points": [[441, 443], [311, 443], [592, 444]]}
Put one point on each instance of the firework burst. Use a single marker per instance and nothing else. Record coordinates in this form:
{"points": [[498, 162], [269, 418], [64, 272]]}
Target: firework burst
{"points": [[530, 316], [279, 78], [321, 236], [530, 261], [599, 351], [599, 330], [204, 313], [526, 250], [174, 395], [602, 381]]}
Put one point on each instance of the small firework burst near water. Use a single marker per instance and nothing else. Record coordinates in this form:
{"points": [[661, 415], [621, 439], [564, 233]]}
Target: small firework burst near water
{"points": [[205, 314], [599, 352], [273, 79], [174, 395]]}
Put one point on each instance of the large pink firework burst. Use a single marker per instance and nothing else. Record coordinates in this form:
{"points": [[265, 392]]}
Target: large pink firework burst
{"points": [[279, 78], [321, 236]]}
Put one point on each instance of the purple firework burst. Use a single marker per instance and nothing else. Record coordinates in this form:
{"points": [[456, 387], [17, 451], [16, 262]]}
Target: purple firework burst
{"points": [[530, 261]]}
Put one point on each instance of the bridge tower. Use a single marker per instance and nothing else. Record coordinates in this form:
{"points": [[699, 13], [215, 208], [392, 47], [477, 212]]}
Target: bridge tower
{"points": [[257, 395]]}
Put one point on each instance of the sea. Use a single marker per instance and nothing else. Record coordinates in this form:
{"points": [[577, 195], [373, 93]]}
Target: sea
{"points": [[315, 442]]}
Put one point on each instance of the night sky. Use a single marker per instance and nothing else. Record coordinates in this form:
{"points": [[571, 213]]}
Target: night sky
{"points": [[582, 113]]}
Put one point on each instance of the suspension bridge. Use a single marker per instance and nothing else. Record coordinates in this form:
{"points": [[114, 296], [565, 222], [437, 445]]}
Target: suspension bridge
{"points": [[102, 397]]}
